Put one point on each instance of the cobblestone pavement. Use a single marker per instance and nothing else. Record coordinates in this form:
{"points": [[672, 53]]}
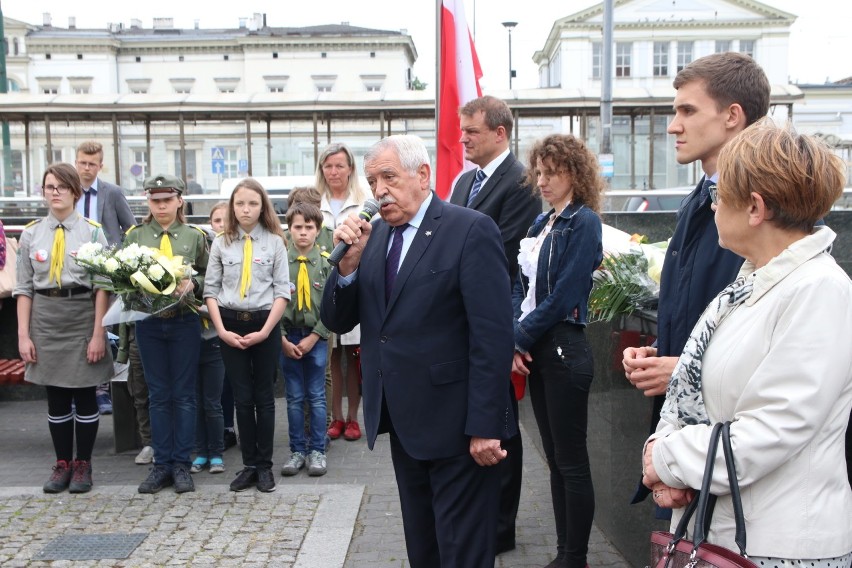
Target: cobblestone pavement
{"points": [[348, 518]]}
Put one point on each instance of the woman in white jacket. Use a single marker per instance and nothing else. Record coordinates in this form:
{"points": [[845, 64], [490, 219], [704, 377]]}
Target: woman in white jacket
{"points": [[337, 182], [769, 354]]}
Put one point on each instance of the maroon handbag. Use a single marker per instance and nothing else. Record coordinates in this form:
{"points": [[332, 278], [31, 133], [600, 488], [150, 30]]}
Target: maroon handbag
{"points": [[675, 551]]}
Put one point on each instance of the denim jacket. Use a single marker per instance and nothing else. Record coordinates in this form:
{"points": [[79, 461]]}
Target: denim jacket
{"points": [[569, 255]]}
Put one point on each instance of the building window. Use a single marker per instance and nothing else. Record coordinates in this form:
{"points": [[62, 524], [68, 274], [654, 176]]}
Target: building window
{"points": [[661, 58], [139, 157], [684, 54], [47, 56], [138, 86], [324, 83], [723, 45], [372, 55], [274, 55], [226, 57], [80, 85], [13, 86], [182, 85], [596, 59], [49, 85], [180, 57], [138, 59], [16, 46], [79, 56], [227, 84], [276, 83], [623, 52], [232, 162], [373, 83], [747, 47], [323, 55]]}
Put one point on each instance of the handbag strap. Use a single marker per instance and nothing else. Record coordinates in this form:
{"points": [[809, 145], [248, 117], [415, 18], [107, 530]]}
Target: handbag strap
{"points": [[702, 521], [736, 500]]}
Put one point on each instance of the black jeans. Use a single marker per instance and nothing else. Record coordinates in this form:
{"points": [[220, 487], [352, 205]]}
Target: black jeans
{"points": [[561, 374], [252, 373]]}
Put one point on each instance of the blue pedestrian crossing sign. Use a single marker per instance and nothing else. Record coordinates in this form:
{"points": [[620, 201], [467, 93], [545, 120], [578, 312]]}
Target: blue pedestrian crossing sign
{"points": [[217, 160]]}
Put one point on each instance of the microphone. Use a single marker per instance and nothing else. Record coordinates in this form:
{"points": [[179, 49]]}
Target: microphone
{"points": [[370, 208]]}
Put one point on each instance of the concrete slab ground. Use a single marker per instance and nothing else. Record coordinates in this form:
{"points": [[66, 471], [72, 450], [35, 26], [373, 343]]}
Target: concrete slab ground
{"points": [[348, 518]]}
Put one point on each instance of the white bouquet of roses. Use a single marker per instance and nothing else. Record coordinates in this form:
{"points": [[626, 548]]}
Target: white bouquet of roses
{"points": [[145, 279]]}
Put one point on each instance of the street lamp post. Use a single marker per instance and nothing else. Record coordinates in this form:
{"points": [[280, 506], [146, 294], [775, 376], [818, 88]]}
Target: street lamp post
{"points": [[510, 26]]}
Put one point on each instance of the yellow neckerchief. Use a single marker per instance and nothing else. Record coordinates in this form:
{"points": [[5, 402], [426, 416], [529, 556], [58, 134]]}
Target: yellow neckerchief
{"points": [[303, 283], [245, 277], [166, 245], [57, 255]]}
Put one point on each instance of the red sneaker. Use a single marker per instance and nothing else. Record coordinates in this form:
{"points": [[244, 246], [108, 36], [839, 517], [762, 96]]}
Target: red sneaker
{"points": [[353, 431], [336, 429]]}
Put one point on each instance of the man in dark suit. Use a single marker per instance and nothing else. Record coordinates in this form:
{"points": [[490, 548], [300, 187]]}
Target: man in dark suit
{"points": [[717, 97], [436, 346], [504, 195], [102, 201]]}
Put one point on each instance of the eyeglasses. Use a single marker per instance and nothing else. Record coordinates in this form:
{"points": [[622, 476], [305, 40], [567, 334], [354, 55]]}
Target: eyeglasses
{"points": [[60, 189], [714, 194], [87, 165]]}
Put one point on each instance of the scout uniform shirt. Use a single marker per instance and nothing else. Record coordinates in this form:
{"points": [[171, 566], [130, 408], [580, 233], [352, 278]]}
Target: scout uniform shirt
{"points": [[318, 270], [33, 268], [187, 241], [268, 271]]}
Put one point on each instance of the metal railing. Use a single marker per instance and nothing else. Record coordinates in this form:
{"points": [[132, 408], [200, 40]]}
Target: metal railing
{"points": [[16, 212]]}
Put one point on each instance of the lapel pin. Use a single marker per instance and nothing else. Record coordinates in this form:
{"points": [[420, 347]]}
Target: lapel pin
{"points": [[428, 233]]}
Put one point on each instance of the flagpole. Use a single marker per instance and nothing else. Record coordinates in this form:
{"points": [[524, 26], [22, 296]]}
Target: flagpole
{"points": [[438, 37]]}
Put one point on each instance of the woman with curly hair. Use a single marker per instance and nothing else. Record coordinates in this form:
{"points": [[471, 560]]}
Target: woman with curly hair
{"points": [[562, 250]]}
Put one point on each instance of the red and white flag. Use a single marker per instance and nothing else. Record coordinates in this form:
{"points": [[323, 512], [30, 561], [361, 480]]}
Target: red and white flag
{"points": [[460, 74]]}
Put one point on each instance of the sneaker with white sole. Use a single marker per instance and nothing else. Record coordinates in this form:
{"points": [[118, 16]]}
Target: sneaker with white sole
{"points": [[146, 456], [294, 464], [217, 465], [316, 464], [198, 465]]}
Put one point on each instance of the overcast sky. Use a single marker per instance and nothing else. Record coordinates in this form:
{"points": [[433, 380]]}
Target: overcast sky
{"points": [[820, 40]]}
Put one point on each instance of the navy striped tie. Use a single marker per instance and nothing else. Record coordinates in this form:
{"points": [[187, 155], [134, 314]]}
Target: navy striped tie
{"points": [[392, 264], [477, 185]]}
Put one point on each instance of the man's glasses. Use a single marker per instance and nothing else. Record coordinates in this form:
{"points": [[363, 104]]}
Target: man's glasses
{"points": [[60, 189], [87, 165]]}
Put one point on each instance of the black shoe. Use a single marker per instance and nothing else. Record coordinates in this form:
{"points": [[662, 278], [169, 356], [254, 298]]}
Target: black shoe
{"points": [[59, 479], [265, 480], [159, 477], [230, 438], [246, 477], [182, 480], [81, 480]]}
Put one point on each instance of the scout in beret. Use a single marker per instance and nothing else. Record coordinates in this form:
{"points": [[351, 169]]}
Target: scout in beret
{"points": [[170, 342]]}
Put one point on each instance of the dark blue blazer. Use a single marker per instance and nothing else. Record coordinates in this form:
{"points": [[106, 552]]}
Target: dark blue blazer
{"points": [[441, 350], [508, 199]]}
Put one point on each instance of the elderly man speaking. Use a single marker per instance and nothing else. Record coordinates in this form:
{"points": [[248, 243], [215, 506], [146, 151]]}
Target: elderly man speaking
{"points": [[429, 285]]}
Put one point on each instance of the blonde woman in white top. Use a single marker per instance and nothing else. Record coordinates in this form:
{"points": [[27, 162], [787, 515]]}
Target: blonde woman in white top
{"points": [[337, 182]]}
